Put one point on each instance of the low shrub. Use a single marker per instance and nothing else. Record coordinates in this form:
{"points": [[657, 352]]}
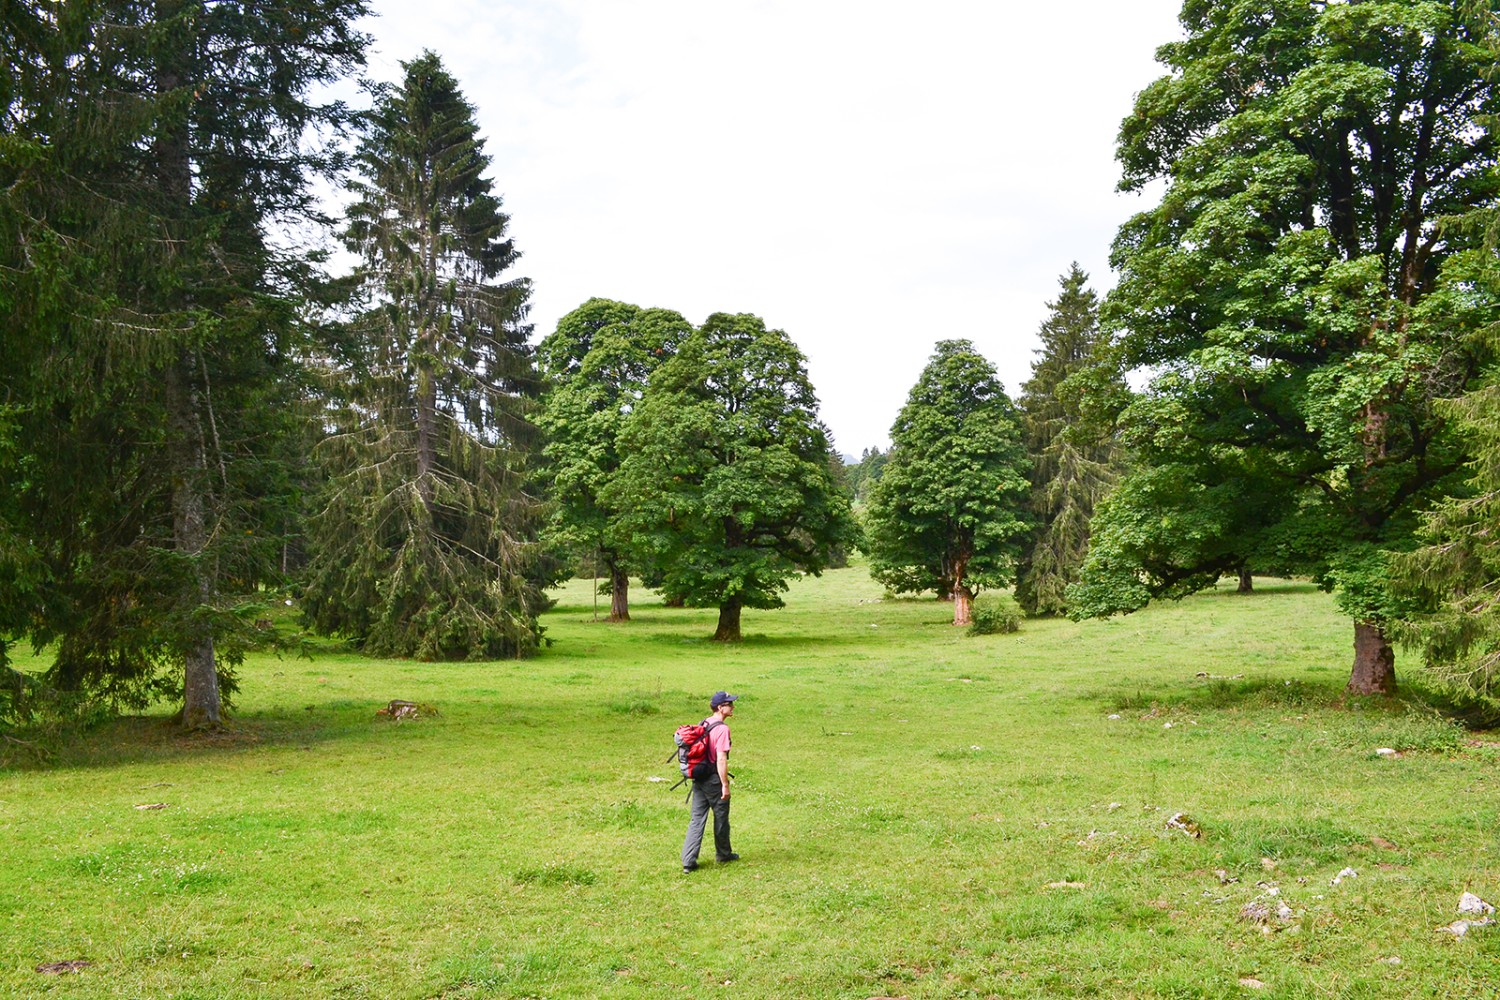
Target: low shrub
{"points": [[995, 614]]}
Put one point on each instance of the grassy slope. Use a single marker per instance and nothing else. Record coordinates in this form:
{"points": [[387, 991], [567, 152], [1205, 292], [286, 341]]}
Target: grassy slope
{"points": [[905, 796]]}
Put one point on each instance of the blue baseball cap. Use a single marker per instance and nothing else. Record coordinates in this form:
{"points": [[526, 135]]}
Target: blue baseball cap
{"points": [[720, 697]]}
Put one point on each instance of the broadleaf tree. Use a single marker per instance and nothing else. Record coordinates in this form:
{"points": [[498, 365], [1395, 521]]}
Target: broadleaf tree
{"points": [[948, 513], [597, 364], [427, 545], [1073, 466], [1294, 289], [726, 486]]}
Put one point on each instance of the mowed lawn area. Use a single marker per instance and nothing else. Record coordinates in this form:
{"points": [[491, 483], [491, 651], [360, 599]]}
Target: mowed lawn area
{"points": [[920, 814]]}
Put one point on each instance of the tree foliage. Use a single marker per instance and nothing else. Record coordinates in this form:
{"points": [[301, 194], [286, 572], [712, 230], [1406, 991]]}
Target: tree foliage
{"points": [[597, 364], [948, 513], [1072, 465], [1456, 575], [726, 487], [865, 473], [427, 544], [1295, 292], [149, 150], [1453, 579]]}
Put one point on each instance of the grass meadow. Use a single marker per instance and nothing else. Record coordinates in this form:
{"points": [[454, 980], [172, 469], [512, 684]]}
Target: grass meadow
{"points": [[920, 814]]}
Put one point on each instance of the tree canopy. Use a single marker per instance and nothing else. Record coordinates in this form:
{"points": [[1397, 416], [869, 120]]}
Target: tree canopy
{"points": [[598, 363], [864, 473], [726, 486], [948, 512], [1295, 292]]}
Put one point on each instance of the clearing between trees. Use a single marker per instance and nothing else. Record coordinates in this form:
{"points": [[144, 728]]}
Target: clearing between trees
{"points": [[920, 814]]}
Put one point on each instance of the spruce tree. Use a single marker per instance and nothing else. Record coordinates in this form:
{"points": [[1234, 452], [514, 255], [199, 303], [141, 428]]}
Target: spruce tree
{"points": [[427, 545], [1455, 577], [156, 145], [864, 473], [1071, 468]]}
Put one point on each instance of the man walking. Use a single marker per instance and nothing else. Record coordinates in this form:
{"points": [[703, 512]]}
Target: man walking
{"points": [[711, 787]]}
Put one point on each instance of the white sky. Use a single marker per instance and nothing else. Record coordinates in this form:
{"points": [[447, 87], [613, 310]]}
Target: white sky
{"points": [[871, 177]]}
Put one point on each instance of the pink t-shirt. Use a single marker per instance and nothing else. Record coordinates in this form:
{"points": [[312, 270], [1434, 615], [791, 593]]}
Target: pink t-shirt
{"points": [[718, 740]]}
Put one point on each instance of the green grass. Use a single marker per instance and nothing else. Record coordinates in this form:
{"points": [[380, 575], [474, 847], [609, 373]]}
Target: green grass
{"points": [[909, 804]]}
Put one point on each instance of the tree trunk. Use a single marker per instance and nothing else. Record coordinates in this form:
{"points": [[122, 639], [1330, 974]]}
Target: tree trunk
{"points": [[619, 594], [200, 690], [1374, 661], [426, 433], [729, 621], [963, 597], [1247, 585], [963, 606], [185, 447]]}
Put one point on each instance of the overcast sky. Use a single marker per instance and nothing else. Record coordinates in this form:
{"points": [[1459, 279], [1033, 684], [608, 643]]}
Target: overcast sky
{"points": [[870, 177]]}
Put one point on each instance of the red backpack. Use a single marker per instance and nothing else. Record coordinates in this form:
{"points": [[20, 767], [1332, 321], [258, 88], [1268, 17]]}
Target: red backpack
{"points": [[692, 748]]}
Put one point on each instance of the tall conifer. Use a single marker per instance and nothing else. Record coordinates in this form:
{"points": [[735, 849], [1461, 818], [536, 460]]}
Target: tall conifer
{"points": [[155, 146], [427, 544], [1071, 468]]}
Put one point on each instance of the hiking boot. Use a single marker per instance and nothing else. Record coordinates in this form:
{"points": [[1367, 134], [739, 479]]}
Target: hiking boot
{"points": [[728, 858], [687, 869]]}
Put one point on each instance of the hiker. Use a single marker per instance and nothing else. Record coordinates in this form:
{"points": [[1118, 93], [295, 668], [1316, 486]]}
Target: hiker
{"points": [[710, 789]]}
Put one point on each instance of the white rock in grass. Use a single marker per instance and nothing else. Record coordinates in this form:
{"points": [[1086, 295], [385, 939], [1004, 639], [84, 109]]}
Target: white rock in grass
{"points": [[1256, 911], [1470, 903], [1461, 927], [1386, 752], [1267, 912], [1251, 983], [1346, 873], [1114, 717], [1393, 960], [656, 777], [1185, 824]]}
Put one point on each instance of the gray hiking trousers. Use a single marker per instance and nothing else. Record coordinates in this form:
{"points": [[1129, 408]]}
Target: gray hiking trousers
{"points": [[707, 795]]}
